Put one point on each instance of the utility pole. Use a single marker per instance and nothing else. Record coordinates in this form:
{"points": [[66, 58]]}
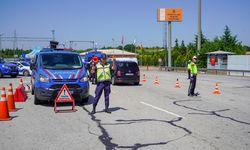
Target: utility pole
{"points": [[169, 44], [14, 41], [53, 35], [1, 40], [165, 41], [199, 28]]}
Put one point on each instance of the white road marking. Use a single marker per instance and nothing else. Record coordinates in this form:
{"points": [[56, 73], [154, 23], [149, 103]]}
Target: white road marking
{"points": [[161, 109]]}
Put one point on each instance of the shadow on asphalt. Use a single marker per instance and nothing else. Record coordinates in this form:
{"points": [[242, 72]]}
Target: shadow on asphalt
{"points": [[207, 112], [106, 139]]}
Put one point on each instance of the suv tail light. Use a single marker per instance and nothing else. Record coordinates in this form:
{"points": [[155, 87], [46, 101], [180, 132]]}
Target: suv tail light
{"points": [[118, 73], [138, 73]]}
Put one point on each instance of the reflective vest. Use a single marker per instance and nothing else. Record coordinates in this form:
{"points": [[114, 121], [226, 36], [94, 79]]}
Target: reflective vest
{"points": [[103, 73], [193, 68], [189, 66]]}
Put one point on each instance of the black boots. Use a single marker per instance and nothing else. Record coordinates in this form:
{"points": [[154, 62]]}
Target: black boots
{"points": [[93, 111], [107, 111]]}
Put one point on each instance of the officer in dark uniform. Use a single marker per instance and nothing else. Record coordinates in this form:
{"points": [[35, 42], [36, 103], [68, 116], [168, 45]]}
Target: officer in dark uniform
{"points": [[193, 77], [103, 78]]}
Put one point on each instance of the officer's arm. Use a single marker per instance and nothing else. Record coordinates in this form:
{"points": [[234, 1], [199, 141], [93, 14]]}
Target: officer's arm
{"points": [[113, 66]]}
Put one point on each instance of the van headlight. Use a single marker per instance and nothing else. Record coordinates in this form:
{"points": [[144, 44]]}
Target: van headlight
{"points": [[84, 79], [43, 79], [6, 67]]}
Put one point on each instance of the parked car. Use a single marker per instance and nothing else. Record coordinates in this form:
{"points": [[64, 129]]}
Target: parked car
{"points": [[8, 69], [126, 72], [23, 68]]}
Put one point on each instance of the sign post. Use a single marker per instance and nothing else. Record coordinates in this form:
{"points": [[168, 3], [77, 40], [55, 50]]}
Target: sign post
{"points": [[169, 15], [64, 96]]}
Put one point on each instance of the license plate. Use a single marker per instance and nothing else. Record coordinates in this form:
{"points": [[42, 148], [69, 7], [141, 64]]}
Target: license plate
{"points": [[129, 74]]}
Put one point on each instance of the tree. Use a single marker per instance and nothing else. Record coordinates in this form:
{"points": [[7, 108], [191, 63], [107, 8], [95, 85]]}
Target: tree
{"points": [[129, 47], [203, 39], [183, 49], [176, 44]]}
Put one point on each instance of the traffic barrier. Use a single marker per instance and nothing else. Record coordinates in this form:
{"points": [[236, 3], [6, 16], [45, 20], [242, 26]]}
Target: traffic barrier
{"points": [[20, 95], [156, 80], [4, 113], [177, 84], [11, 101], [216, 90], [144, 78]]}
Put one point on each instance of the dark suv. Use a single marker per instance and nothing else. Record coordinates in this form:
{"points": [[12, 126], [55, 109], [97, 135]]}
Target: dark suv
{"points": [[126, 72]]}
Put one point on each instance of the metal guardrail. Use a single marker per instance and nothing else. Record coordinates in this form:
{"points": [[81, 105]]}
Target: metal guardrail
{"points": [[207, 71]]}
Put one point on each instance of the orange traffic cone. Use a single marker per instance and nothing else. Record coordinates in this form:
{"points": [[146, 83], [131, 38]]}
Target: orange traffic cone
{"points": [[21, 81], [177, 84], [11, 102], [156, 80], [4, 113], [216, 90], [144, 78]]}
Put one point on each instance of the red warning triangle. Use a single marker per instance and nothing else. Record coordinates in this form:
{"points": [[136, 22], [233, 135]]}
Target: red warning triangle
{"points": [[64, 94]]}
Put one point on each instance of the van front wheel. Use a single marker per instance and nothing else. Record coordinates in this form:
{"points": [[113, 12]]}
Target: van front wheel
{"points": [[84, 101], [36, 100]]}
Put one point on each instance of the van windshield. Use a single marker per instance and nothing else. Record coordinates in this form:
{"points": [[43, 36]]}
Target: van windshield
{"points": [[60, 61]]}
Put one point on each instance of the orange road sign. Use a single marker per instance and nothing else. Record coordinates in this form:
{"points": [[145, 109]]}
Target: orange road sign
{"points": [[169, 14]]}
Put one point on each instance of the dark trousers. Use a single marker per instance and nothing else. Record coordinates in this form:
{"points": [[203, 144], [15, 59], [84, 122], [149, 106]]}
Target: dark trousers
{"points": [[189, 73], [98, 92], [192, 85]]}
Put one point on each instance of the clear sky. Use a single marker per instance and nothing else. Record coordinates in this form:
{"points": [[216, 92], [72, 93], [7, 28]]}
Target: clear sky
{"points": [[104, 20]]}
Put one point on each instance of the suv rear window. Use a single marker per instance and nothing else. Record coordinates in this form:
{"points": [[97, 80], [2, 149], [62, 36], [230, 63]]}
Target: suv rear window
{"points": [[127, 66]]}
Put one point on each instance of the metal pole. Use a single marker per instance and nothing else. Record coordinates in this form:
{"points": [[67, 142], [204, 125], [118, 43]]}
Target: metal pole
{"points": [[169, 44], [53, 35], [199, 27], [165, 41], [94, 46], [1, 41]]}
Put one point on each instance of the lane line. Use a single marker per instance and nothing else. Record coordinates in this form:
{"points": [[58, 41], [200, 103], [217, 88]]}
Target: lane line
{"points": [[171, 113]]}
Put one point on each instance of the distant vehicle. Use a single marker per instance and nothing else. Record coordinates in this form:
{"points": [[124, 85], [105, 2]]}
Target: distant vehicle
{"points": [[52, 69], [8, 69], [90, 60], [23, 68], [126, 72]]}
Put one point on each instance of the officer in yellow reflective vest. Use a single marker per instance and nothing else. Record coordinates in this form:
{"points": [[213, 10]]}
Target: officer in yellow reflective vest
{"points": [[103, 78], [193, 77]]}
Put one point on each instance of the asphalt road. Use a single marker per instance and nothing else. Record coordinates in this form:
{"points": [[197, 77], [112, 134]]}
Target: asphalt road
{"points": [[143, 117]]}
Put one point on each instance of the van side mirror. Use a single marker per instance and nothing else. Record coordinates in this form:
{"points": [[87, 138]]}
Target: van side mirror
{"points": [[32, 66]]}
